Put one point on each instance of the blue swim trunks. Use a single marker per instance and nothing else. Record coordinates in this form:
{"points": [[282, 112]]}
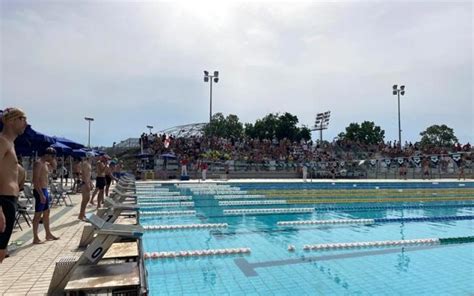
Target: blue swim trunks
{"points": [[39, 207]]}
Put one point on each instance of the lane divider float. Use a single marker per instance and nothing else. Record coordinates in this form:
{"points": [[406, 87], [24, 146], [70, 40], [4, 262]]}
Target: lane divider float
{"points": [[390, 243], [252, 202], [319, 209], [268, 211], [185, 226], [164, 198], [168, 213], [238, 196], [373, 221], [166, 204], [196, 253]]}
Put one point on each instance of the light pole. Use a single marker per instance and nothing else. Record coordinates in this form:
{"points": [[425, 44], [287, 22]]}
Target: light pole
{"points": [[149, 127], [89, 119], [399, 91], [321, 123], [209, 78]]}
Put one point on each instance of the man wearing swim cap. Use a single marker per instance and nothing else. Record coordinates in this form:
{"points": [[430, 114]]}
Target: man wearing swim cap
{"points": [[41, 194], [14, 124]]}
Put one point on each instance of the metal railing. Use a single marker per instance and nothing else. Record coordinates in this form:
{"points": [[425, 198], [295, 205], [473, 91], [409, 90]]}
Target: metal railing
{"points": [[415, 167]]}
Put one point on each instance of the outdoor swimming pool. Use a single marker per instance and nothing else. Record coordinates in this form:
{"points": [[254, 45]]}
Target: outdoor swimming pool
{"points": [[246, 215]]}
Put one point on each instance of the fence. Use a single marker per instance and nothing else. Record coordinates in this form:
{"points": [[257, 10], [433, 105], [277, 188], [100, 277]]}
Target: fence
{"points": [[421, 166]]}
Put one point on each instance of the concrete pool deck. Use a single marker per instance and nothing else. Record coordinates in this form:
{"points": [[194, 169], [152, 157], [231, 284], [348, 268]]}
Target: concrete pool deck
{"points": [[29, 268]]}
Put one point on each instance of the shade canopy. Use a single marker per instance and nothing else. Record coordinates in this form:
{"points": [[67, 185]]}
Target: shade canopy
{"points": [[32, 141], [168, 155], [70, 143], [61, 149]]}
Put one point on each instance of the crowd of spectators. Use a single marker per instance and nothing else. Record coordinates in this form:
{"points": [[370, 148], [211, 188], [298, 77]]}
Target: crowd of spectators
{"points": [[197, 148]]}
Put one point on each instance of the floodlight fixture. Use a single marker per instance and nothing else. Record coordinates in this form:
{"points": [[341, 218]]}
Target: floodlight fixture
{"points": [[89, 119], [321, 123], [397, 92], [210, 78]]}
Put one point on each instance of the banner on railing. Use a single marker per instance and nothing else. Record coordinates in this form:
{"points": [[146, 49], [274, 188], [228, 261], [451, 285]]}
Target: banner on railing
{"points": [[417, 161], [456, 157]]}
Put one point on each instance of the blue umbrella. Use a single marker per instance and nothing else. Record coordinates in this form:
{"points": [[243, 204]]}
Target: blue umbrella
{"points": [[78, 153], [92, 152], [68, 142], [32, 141], [62, 149], [168, 155]]}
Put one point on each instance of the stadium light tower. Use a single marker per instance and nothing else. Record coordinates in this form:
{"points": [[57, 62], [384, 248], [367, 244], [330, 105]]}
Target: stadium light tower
{"points": [[397, 92], [89, 119], [321, 123], [150, 127], [209, 78]]}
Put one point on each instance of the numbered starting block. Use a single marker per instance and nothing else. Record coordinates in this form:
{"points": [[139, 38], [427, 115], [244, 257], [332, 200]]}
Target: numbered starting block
{"points": [[114, 208], [106, 234]]}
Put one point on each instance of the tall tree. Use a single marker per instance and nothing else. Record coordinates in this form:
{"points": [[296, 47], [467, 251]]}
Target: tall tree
{"points": [[367, 132], [304, 133], [286, 127], [264, 128], [225, 127], [439, 136], [277, 126]]}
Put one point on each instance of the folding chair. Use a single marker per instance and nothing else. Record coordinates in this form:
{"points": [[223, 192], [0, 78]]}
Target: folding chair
{"points": [[28, 193], [22, 211], [58, 195]]}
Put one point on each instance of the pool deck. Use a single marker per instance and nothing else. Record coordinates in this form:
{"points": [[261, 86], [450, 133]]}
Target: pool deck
{"points": [[29, 268]]}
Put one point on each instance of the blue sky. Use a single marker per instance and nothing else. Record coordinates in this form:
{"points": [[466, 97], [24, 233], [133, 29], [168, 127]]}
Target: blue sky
{"points": [[130, 64]]}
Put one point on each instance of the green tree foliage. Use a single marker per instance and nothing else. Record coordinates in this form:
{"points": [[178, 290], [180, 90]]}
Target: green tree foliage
{"points": [[439, 136], [304, 133], [286, 127], [367, 132], [265, 128], [269, 127], [225, 127], [277, 126]]}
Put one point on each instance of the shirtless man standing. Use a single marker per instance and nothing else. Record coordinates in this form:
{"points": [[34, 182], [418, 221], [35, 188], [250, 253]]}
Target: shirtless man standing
{"points": [[100, 180], [109, 177], [14, 124], [76, 173], [86, 185], [40, 191]]}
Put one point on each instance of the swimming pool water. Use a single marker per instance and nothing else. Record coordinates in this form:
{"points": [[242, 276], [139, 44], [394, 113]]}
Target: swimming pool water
{"points": [[270, 269]]}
